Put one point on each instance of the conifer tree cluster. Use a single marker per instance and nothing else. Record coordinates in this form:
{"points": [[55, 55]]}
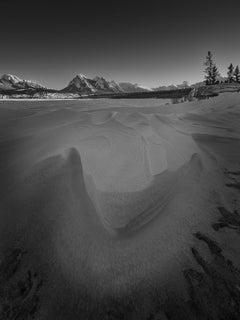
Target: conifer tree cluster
{"points": [[233, 74], [212, 76]]}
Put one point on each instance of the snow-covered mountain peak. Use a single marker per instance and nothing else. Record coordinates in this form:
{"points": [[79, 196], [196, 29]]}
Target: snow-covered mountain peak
{"points": [[81, 76], [11, 78], [83, 84], [12, 82]]}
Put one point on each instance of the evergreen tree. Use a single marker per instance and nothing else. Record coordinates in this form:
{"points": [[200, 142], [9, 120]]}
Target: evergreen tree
{"points": [[237, 74], [230, 73], [211, 70], [215, 75]]}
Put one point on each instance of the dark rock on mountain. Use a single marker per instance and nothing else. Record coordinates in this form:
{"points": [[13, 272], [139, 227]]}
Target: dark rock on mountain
{"points": [[11, 82]]}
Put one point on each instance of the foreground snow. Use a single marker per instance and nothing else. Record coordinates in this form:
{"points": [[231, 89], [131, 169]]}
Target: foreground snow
{"points": [[107, 195]]}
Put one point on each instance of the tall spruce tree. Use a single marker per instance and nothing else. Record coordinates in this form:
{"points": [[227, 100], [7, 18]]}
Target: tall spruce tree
{"points": [[210, 70], [237, 74], [230, 73], [215, 75]]}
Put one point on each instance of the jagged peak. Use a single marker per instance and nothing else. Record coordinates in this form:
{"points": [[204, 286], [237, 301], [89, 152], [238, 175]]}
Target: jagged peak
{"points": [[12, 80], [81, 76], [10, 77]]}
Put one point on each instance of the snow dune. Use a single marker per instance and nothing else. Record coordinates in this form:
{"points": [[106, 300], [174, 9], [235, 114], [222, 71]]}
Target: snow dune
{"points": [[107, 195]]}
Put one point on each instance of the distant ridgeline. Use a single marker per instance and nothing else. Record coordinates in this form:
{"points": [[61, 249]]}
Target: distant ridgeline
{"points": [[82, 87], [48, 94], [164, 94]]}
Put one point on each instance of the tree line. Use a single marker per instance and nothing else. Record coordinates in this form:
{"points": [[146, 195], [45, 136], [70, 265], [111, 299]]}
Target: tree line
{"points": [[212, 75]]}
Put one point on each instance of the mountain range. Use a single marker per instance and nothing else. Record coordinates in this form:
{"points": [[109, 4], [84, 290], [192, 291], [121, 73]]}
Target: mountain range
{"points": [[80, 84], [11, 82]]}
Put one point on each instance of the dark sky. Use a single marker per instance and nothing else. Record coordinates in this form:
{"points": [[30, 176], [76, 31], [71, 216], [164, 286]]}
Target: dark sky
{"points": [[151, 43]]}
